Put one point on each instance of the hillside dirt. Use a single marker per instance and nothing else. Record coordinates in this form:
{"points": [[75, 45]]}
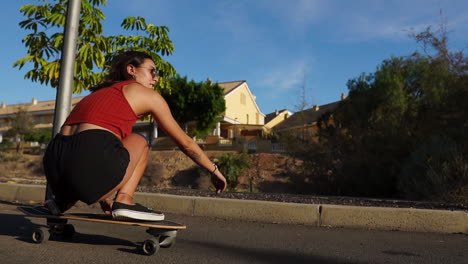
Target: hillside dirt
{"points": [[167, 170], [172, 172]]}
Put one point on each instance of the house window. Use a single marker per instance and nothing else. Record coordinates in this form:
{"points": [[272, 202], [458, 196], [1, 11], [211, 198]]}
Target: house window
{"points": [[247, 119], [36, 120], [242, 99]]}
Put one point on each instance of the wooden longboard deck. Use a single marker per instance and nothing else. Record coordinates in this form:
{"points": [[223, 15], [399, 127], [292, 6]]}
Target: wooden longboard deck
{"points": [[42, 212]]}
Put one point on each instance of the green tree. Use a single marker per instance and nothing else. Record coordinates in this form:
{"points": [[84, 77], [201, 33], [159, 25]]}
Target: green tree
{"points": [[21, 123], [384, 140], [94, 49], [39, 135], [201, 102]]}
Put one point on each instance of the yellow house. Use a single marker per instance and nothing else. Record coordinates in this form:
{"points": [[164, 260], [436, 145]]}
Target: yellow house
{"points": [[242, 117], [275, 118], [242, 120]]}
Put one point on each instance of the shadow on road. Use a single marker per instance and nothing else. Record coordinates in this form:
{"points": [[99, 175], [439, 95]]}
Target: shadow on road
{"points": [[21, 227], [274, 256]]}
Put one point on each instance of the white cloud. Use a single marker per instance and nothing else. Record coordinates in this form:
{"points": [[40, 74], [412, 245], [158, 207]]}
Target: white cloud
{"points": [[285, 77], [361, 20], [394, 20], [232, 18], [364, 28]]}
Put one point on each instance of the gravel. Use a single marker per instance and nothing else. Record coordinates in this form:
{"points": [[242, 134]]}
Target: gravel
{"points": [[285, 197]]}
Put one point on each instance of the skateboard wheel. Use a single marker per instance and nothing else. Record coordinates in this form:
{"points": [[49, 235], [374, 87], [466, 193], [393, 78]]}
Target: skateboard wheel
{"points": [[167, 241], [63, 230], [40, 235], [150, 247]]}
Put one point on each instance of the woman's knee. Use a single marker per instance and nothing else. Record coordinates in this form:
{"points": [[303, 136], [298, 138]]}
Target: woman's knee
{"points": [[136, 140], [137, 146]]}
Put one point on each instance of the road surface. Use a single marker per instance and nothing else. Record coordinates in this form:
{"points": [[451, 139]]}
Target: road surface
{"points": [[209, 240]]}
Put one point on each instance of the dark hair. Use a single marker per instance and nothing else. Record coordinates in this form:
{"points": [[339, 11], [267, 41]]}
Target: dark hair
{"points": [[118, 70]]}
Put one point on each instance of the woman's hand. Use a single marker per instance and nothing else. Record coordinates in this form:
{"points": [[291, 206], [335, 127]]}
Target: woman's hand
{"points": [[219, 181]]}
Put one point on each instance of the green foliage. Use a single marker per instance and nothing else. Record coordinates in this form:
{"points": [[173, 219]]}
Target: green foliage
{"points": [[201, 102], [94, 50], [231, 165], [384, 140], [312, 170], [436, 170], [21, 123], [39, 135], [5, 145]]}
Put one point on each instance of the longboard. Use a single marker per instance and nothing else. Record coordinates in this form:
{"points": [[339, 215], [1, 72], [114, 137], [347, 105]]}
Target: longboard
{"points": [[163, 232]]}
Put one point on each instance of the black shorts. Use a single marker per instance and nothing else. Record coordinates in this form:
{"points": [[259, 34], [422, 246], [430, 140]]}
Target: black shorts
{"points": [[85, 166]]}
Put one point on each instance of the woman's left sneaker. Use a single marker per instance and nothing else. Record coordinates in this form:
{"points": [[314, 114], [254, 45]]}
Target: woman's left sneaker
{"points": [[121, 211]]}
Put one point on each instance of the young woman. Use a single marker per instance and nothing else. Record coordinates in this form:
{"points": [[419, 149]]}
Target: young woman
{"points": [[95, 154]]}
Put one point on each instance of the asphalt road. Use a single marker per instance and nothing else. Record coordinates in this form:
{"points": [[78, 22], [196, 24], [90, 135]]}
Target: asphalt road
{"points": [[209, 240]]}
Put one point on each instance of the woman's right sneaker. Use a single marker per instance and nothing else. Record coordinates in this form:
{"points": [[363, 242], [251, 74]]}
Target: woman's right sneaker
{"points": [[121, 211]]}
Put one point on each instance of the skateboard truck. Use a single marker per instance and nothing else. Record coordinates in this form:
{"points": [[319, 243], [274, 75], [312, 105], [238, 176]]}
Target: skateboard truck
{"points": [[161, 238]]}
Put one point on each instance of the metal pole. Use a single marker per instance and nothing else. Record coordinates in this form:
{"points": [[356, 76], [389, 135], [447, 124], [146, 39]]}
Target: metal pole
{"points": [[67, 67]]}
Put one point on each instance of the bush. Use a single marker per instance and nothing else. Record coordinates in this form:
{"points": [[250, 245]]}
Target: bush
{"points": [[311, 169], [437, 171], [231, 165], [5, 156], [39, 135], [5, 144]]}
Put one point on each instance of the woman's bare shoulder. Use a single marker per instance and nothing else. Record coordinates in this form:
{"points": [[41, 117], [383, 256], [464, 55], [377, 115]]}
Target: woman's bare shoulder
{"points": [[137, 90], [142, 99]]}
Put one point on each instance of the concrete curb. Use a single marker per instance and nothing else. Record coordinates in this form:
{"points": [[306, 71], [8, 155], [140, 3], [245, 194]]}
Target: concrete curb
{"points": [[377, 218], [259, 211], [401, 219]]}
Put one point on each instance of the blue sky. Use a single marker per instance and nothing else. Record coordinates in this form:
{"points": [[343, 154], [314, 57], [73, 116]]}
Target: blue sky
{"points": [[277, 46]]}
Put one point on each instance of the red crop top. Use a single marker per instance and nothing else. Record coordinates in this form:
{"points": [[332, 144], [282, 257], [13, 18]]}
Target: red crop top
{"points": [[106, 107]]}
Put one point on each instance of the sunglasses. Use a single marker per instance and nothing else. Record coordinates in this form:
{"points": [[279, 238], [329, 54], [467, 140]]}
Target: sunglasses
{"points": [[153, 71]]}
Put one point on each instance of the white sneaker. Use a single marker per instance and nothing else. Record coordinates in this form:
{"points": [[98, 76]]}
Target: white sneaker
{"points": [[121, 211]]}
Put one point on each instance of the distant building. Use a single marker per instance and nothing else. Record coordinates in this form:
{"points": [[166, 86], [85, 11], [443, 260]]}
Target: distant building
{"points": [[42, 113], [303, 124], [241, 118], [275, 118]]}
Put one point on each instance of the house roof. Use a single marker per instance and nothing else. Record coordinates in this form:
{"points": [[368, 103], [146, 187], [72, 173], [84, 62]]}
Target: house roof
{"points": [[34, 107], [272, 115], [230, 86], [307, 117]]}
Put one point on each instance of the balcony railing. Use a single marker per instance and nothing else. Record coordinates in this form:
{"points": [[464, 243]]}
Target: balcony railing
{"points": [[225, 142]]}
